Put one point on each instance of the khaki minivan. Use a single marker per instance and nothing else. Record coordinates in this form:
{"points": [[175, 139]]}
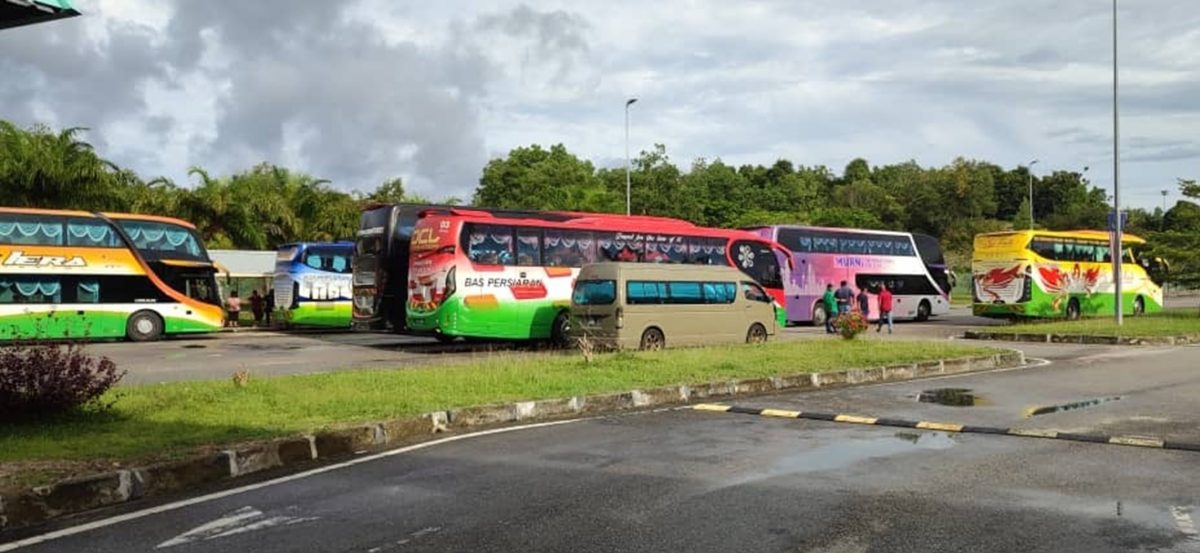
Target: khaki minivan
{"points": [[650, 306]]}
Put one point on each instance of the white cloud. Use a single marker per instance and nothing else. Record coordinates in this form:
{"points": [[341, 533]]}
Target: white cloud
{"points": [[361, 91]]}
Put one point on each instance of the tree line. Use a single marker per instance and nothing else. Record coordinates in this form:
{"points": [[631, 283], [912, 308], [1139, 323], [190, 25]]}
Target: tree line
{"points": [[267, 205]]}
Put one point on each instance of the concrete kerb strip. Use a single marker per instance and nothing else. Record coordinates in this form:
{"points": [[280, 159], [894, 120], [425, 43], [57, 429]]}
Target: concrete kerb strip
{"points": [[1133, 441], [1039, 338], [72, 496]]}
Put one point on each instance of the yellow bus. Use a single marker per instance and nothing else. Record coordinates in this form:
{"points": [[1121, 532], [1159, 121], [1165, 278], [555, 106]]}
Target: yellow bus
{"points": [[76, 274], [1035, 273]]}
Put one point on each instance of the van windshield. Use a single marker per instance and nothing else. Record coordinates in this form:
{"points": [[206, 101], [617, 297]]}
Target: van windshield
{"points": [[595, 292]]}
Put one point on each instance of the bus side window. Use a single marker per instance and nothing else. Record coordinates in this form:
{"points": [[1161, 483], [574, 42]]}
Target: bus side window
{"points": [[31, 230], [529, 247], [490, 244]]}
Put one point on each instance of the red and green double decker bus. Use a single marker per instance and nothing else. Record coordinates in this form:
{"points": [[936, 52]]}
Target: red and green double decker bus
{"points": [[509, 275]]}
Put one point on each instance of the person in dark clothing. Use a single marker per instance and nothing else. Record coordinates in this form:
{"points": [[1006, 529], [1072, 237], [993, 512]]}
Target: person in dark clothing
{"points": [[256, 306], [864, 305], [270, 305], [845, 297]]}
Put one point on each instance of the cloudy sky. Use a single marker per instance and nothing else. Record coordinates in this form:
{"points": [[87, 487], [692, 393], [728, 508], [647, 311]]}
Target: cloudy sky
{"points": [[362, 90]]}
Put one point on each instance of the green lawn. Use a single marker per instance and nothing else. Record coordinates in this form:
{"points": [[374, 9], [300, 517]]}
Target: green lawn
{"points": [[961, 293], [158, 421], [1167, 323]]}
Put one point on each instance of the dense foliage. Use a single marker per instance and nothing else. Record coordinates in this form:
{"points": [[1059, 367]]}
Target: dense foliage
{"points": [[266, 205]]}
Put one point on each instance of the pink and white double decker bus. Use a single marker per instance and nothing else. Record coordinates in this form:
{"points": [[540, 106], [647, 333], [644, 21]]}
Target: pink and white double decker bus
{"points": [[911, 265]]}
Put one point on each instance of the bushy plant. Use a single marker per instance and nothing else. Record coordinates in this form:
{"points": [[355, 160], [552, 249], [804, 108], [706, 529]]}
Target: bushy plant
{"points": [[850, 325], [45, 378]]}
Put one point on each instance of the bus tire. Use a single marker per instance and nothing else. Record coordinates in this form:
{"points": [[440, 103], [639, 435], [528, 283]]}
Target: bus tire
{"points": [[444, 338], [653, 340], [757, 334], [144, 326], [1139, 306], [819, 315], [560, 331], [923, 311], [1073, 312]]}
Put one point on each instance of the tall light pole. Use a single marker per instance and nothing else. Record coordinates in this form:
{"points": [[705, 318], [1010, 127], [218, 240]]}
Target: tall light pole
{"points": [[628, 103], [1118, 250], [1031, 164], [1164, 195]]}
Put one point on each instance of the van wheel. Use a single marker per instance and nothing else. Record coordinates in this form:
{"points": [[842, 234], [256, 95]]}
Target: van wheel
{"points": [[923, 311], [1139, 306], [757, 334], [560, 331], [144, 326], [1073, 310], [819, 315], [653, 340]]}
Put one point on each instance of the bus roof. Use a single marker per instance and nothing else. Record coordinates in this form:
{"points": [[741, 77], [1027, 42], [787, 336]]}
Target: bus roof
{"points": [[1076, 234], [78, 213], [568, 217], [837, 229]]}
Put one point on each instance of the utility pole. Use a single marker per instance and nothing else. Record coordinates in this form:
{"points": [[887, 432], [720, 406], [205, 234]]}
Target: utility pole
{"points": [[1031, 164], [1118, 250], [628, 209]]}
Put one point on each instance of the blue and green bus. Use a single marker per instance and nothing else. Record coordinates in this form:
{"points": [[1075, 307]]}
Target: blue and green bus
{"points": [[313, 283]]}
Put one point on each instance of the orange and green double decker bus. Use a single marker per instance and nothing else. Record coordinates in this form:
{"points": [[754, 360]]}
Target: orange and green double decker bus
{"points": [[77, 275], [1036, 273]]}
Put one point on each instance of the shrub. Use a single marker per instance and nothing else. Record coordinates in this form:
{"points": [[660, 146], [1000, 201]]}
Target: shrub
{"points": [[850, 325], [45, 378]]}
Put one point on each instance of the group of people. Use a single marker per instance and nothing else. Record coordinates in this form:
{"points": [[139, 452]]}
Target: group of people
{"points": [[844, 300], [261, 306]]}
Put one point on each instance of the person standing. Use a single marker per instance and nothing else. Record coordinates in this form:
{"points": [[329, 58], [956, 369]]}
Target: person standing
{"points": [[885, 308], [270, 305], [845, 298], [830, 308], [233, 309], [256, 306], [864, 305]]}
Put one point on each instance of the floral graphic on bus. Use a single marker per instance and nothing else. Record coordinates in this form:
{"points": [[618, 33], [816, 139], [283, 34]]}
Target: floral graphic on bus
{"points": [[997, 284], [745, 256], [1062, 284]]}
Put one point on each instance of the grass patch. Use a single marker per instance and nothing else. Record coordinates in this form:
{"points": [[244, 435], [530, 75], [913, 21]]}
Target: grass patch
{"points": [[1167, 323], [961, 293], [157, 421]]}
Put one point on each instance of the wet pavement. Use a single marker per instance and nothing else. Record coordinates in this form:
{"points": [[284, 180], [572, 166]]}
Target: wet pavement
{"points": [[695, 481]]}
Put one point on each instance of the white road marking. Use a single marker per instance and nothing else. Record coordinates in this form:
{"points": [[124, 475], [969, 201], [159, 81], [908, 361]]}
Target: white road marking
{"points": [[95, 525], [1183, 520], [246, 519]]}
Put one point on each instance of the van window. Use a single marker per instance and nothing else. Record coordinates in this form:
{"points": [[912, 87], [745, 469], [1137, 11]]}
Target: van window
{"points": [[595, 292], [642, 292], [754, 292], [685, 292], [719, 292]]}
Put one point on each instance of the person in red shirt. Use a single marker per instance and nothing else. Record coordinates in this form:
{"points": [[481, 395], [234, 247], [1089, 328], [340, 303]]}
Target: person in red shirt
{"points": [[885, 308]]}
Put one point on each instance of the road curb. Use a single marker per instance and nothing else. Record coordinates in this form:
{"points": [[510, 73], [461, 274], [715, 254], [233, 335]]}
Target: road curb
{"points": [[1133, 441], [1081, 339], [27, 508]]}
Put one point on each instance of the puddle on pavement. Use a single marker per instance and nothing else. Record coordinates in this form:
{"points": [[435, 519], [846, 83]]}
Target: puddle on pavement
{"points": [[194, 346], [953, 397], [842, 453]]}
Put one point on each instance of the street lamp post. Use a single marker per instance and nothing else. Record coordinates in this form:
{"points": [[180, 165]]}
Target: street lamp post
{"points": [[1118, 250], [628, 103], [1031, 164]]}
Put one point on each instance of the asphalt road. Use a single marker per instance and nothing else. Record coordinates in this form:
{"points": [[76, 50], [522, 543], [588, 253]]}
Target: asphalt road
{"points": [[218, 356], [686, 480]]}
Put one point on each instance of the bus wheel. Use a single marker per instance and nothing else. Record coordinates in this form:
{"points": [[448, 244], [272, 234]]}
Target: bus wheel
{"points": [[1139, 306], [757, 334], [819, 315], [653, 340], [444, 338], [144, 326], [560, 332], [923, 311], [1073, 310]]}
